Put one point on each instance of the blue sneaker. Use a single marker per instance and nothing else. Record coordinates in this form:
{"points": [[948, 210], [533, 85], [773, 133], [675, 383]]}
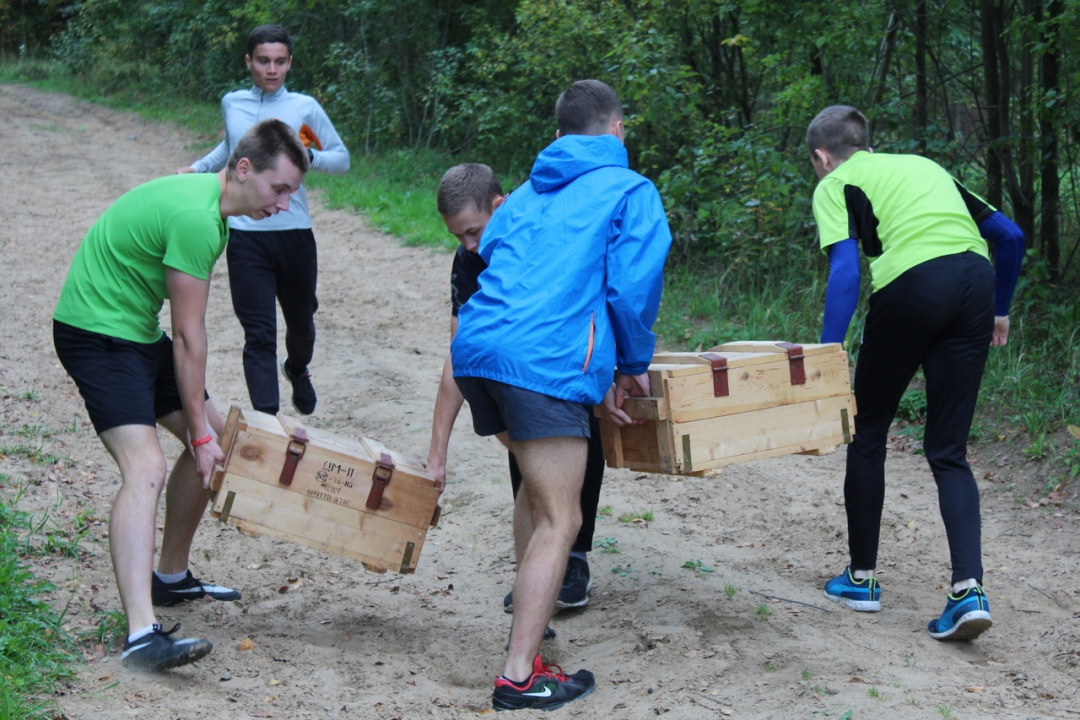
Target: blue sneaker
{"points": [[860, 595], [966, 617]]}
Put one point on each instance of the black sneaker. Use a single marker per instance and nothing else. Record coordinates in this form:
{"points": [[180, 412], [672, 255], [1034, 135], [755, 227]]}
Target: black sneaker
{"points": [[190, 588], [575, 589], [303, 393], [548, 688], [576, 585], [159, 651]]}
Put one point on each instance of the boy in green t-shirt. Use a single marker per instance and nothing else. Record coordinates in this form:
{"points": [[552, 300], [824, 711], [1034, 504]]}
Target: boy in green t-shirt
{"points": [[160, 241], [937, 303]]}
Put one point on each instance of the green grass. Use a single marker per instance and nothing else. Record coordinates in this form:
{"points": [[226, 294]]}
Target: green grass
{"points": [[646, 515], [35, 652], [395, 192]]}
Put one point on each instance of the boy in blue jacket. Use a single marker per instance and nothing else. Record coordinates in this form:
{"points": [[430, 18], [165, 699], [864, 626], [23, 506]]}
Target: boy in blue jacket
{"points": [[575, 269], [468, 195]]}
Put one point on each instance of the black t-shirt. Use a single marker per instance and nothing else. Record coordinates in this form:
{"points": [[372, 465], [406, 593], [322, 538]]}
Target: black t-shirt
{"points": [[464, 277]]}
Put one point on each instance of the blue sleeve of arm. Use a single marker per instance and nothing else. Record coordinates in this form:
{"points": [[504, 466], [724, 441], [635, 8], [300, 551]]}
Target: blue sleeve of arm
{"points": [[635, 278], [842, 292], [1008, 242]]}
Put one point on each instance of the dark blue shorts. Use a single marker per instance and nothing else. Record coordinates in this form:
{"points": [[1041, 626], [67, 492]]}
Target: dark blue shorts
{"points": [[121, 382], [523, 414]]}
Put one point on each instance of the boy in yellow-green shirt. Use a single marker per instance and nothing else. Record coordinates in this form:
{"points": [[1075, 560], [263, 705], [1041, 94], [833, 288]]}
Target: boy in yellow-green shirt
{"points": [[938, 303]]}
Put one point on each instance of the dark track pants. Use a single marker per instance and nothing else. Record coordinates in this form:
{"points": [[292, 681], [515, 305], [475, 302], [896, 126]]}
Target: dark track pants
{"points": [[264, 266], [939, 315], [590, 488]]}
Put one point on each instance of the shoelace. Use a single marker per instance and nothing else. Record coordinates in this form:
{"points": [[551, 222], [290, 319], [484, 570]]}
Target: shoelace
{"points": [[556, 673], [158, 629]]}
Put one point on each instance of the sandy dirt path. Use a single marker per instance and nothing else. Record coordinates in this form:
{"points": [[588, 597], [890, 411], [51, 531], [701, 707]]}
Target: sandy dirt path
{"points": [[662, 640]]}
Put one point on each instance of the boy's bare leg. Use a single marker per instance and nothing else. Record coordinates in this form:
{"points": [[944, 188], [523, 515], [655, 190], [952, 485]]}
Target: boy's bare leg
{"points": [[523, 524], [134, 515], [552, 471], [185, 496]]}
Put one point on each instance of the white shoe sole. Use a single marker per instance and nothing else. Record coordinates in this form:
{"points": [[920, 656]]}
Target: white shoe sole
{"points": [[970, 626], [560, 605], [856, 605]]}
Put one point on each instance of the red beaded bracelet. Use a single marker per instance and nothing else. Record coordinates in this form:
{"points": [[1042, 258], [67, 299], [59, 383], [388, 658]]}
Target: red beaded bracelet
{"points": [[203, 441]]}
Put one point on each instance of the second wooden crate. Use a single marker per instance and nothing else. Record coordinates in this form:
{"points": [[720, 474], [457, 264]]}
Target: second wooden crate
{"points": [[736, 402]]}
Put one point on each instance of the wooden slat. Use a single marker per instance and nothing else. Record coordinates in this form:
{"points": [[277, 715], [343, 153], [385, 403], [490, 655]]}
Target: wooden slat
{"points": [[714, 442], [642, 408], [289, 424], [228, 433], [375, 541], [756, 387], [751, 346], [611, 441], [334, 476]]}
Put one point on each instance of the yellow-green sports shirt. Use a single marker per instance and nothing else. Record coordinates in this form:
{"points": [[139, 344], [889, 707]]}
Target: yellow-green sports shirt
{"points": [[903, 210], [116, 283]]}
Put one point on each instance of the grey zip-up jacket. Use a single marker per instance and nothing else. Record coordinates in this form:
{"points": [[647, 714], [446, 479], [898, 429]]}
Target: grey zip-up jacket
{"points": [[244, 108]]}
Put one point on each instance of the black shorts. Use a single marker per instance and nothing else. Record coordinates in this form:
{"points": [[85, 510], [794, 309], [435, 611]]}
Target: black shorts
{"points": [[524, 414], [121, 382]]}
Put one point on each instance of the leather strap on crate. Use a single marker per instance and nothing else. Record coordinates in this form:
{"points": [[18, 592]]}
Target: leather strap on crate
{"points": [[719, 373], [297, 447], [384, 469], [795, 362]]}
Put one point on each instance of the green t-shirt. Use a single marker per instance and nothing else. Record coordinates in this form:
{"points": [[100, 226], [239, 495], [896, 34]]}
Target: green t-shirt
{"points": [[903, 209], [116, 283]]}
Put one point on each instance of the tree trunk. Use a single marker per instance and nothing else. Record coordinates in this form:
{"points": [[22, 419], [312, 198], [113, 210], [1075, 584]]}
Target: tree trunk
{"points": [[1050, 180], [1022, 191], [888, 43], [921, 23], [991, 28]]}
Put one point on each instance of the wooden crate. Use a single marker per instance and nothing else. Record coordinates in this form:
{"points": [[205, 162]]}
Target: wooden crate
{"points": [[353, 498], [736, 402]]}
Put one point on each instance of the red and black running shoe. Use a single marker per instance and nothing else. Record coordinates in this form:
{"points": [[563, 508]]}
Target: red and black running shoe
{"points": [[548, 688]]}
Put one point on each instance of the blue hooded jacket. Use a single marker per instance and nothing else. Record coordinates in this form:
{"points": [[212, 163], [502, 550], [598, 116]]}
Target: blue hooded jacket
{"points": [[575, 271]]}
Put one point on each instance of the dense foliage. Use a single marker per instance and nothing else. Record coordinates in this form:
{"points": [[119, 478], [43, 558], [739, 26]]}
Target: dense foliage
{"points": [[717, 92]]}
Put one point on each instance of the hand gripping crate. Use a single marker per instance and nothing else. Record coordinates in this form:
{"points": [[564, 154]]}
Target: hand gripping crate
{"points": [[353, 498], [736, 402]]}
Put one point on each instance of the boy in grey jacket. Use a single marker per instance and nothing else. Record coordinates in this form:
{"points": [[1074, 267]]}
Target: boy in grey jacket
{"points": [[275, 257]]}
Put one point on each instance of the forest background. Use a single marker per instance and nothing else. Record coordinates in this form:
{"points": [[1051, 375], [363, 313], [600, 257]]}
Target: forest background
{"points": [[717, 94]]}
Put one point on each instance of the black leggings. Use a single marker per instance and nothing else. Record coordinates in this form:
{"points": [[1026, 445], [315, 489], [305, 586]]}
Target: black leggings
{"points": [[940, 315], [264, 266], [590, 488]]}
